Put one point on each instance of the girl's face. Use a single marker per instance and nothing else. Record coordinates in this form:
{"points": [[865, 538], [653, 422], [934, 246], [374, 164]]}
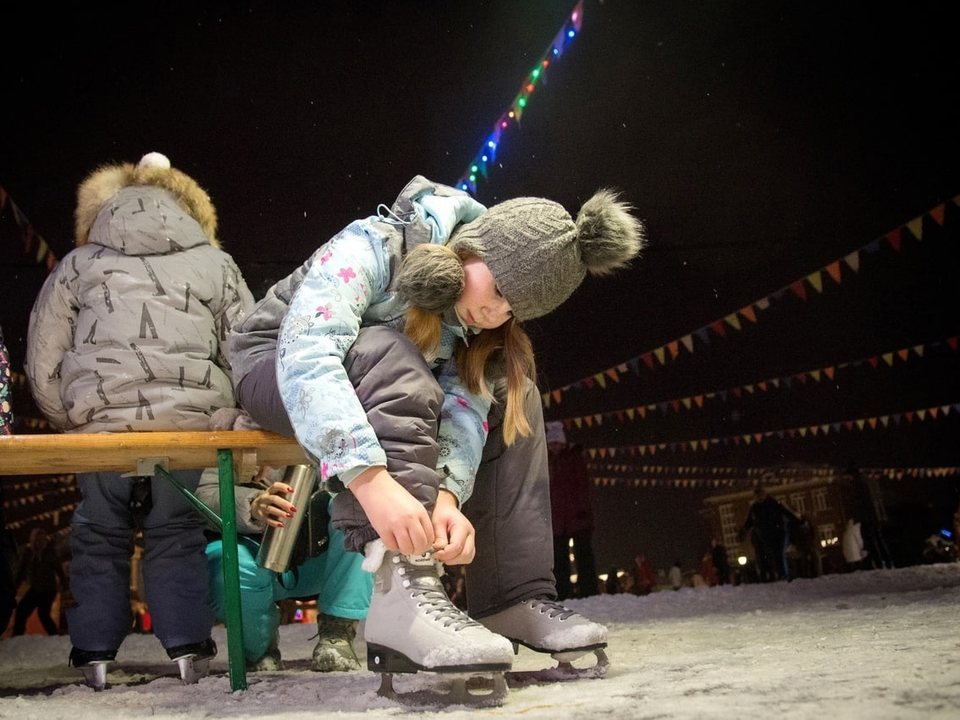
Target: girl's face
{"points": [[481, 305]]}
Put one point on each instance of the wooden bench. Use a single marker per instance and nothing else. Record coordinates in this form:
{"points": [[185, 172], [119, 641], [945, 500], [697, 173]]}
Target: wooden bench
{"points": [[144, 453]]}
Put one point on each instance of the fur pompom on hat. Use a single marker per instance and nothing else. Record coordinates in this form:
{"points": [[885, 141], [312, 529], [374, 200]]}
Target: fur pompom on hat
{"points": [[539, 255], [153, 169], [431, 277]]}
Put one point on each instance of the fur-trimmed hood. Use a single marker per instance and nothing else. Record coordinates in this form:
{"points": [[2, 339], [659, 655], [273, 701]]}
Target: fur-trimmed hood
{"points": [[153, 170]]}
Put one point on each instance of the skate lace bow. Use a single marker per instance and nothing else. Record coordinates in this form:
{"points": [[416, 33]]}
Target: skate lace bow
{"points": [[425, 586]]}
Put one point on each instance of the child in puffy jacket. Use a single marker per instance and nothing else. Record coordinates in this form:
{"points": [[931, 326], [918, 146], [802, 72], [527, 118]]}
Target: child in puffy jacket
{"points": [[126, 335]]}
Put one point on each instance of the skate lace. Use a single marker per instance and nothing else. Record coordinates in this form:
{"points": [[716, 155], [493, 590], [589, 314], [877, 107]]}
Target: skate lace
{"points": [[552, 609], [425, 587]]}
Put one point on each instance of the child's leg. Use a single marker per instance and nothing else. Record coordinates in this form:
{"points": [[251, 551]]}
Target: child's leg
{"points": [[175, 564], [402, 400], [259, 611], [257, 393], [347, 587], [510, 511], [101, 545]]}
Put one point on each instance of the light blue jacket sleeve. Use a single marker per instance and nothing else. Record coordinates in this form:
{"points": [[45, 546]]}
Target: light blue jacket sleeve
{"points": [[320, 327], [463, 433]]}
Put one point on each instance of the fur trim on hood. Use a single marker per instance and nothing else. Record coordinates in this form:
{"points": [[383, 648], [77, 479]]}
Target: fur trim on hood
{"points": [[153, 169]]}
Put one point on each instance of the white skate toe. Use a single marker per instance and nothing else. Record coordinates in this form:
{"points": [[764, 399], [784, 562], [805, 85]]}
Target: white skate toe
{"points": [[549, 627]]}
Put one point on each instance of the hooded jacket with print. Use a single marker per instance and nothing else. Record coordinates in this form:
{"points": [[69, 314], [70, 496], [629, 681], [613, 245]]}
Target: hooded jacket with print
{"points": [[311, 318], [126, 332]]}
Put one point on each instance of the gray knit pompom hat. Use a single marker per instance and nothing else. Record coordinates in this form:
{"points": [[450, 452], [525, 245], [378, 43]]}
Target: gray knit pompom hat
{"points": [[539, 255]]}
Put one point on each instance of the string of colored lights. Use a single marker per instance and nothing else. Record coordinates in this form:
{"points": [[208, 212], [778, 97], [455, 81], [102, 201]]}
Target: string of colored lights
{"points": [[488, 151]]}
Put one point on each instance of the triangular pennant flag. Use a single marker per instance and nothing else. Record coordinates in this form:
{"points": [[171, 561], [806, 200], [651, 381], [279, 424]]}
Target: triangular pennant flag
{"points": [[799, 289], [853, 260], [815, 281], [916, 227], [833, 270], [719, 328], [893, 237], [937, 213]]}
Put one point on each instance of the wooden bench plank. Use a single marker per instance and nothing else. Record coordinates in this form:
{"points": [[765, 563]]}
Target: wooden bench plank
{"points": [[50, 454]]}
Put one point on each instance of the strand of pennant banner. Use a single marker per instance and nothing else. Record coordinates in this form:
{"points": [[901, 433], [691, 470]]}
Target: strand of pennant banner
{"points": [[33, 242], [669, 352], [486, 156], [875, 422], [41, 490], [738, 477], [788, 381]]}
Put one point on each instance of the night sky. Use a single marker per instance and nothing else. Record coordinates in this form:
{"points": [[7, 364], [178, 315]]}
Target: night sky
{"points": [[759, 141]]}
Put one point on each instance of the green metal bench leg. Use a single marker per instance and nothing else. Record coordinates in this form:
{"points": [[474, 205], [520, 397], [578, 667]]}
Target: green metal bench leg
{"points": [[231, 573], [231, 560]]}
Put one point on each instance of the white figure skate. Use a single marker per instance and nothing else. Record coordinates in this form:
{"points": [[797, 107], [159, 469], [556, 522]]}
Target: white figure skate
{"points": [[413, 626], [546, 626]]}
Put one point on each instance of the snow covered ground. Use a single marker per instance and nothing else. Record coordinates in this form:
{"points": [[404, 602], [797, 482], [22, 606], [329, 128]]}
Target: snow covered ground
{"points": [[877, 644]]}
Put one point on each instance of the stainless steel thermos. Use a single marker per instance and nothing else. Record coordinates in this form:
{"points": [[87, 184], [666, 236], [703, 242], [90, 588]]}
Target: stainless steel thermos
{"points": [[278, 543]]}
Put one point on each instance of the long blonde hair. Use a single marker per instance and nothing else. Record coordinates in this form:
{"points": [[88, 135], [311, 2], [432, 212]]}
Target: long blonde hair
{"points": [[505, 351]]}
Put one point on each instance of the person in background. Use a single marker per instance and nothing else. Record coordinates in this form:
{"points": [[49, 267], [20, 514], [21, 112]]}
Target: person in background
{"points": [[396, 357], [342, 587], [768, 521], [8, 544], [645, 580], [572, 515], [612, 584], [707, 571], [124, 336], [804, 539], [675, 575], [854, 552], [870, 510], [718, 554], [41, 569]]}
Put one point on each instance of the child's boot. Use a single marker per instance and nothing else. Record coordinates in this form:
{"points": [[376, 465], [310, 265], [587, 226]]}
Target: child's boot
{"points": [[334, 650]]}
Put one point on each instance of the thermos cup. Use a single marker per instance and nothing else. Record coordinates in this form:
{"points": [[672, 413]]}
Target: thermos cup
{"points": [[278, 543]]}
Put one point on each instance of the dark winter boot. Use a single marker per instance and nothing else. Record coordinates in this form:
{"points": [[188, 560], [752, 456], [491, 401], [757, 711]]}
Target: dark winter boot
{"points": [[334, 650]]}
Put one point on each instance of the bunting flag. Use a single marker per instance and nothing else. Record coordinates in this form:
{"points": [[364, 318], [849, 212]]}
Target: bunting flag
{"points": [[479, 166], [33, 244], [936, 412], [787, 381], [719, 328]]}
